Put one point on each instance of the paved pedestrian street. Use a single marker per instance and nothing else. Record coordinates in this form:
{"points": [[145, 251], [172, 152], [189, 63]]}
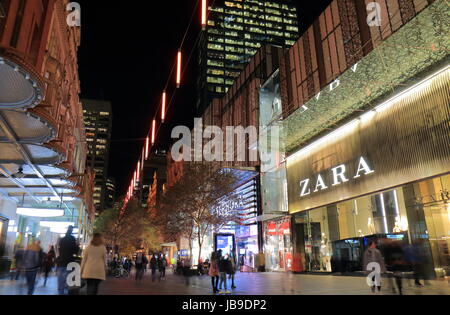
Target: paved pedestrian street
{"points": [[247, 284]]}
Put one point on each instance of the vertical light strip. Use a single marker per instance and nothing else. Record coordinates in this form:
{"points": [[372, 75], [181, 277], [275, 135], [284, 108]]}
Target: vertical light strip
{"points": [[204, 13], [153, 131], [179, 68], [383, 210], [147, 144], [163, 110], [397, 211], [139, 170]]}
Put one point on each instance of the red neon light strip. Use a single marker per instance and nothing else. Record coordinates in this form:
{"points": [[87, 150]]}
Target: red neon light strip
{"points": [[179, 69], [204, 12], [153, 131], [163, 111], [147, 144]]}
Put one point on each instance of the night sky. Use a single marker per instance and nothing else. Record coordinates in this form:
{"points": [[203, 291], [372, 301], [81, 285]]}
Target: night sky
{"points": [[126, 54]]}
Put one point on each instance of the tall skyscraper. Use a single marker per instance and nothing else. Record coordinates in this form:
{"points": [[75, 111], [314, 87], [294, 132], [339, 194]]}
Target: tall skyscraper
{"points": [[98, 124], [110, 192], [235, 30]]}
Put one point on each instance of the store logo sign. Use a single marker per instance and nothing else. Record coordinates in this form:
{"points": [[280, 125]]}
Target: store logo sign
{"points": [[339, 176]]}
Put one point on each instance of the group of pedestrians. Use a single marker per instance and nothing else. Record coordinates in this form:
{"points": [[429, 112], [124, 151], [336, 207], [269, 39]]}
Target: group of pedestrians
{"points": [[32, 260], [397, 260], [221, 267], [157, 262]]}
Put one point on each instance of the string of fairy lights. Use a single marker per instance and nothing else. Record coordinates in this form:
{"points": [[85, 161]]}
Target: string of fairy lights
{"points": [[160, 116]]}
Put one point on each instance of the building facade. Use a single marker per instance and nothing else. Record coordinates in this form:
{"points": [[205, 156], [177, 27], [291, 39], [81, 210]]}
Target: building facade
{"points": [[42, 137], [235, 31], [361, 155], [98, 123], [364, 171], [110, 192]]}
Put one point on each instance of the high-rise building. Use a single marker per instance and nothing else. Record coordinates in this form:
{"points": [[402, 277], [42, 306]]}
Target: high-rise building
{"points": [[235, 30], [110, 192], [98, 124]]}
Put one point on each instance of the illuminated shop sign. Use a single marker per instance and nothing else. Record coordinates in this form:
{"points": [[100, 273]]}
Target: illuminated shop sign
{"points": [[244, 203], [338, 174], [403, 140]]}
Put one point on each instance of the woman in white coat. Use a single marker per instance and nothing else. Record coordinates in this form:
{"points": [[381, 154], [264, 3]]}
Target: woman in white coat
{"points": [[93, 265]]}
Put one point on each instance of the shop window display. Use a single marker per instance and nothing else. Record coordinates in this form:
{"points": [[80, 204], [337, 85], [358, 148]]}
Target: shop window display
{"points": [[415, 217], [278, 246]]}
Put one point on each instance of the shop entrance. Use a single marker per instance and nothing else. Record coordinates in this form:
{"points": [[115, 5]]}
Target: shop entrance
{"points": [[437, 219]]}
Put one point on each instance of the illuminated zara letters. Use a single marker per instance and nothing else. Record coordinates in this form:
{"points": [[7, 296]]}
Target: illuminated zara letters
{"points": [[339, 175]]}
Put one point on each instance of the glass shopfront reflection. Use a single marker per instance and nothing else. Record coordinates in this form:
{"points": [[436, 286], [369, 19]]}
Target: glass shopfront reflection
{"points": [[415, 217]]}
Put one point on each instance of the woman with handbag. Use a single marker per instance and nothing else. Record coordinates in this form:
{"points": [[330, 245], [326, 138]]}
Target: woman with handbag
{"points": [[93, 265]]}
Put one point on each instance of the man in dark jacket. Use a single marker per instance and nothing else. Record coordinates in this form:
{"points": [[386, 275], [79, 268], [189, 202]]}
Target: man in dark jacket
{"points": [[67, 249], [153, 266], [162, 265]]}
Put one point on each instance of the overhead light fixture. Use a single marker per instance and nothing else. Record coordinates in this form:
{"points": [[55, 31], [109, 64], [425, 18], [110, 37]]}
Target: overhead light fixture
{"points": [[179, 57], [20, 174], [204, 13], [40, 212]]}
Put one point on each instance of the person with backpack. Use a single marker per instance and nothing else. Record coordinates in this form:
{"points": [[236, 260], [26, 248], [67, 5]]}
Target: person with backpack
{"points": [[67, 249]]}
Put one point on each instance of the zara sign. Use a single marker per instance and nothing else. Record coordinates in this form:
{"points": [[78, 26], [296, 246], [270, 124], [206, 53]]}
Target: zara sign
{"points": [[338, 175]]}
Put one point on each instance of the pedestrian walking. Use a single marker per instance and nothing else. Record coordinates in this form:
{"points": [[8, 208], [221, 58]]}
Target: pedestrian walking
{"points": [[187, 270], [139, 264], [224, 269], [32, 264], [242, 262], [396, 264], [260, 260], [153, 266], [49, 263], [162, 265], [19, 259], [214, 272], [373, 255], [232, 271], [67, 249], [93, 265]]}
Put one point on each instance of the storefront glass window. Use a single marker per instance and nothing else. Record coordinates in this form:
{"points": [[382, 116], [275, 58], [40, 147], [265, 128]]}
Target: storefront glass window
{"points": [[415, 216]]}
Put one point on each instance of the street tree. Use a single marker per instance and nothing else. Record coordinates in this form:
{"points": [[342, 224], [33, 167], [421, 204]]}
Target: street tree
{"points": [[193, 206], [127, 228]]}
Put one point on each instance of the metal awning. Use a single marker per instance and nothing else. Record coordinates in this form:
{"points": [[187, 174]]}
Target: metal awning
{"points": [[19, 88]]}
